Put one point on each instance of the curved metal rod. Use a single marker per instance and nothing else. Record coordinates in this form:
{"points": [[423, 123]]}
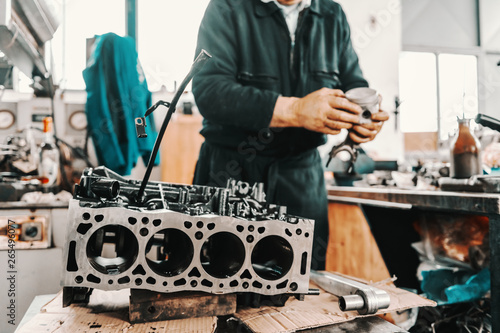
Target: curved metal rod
{"points": [[198, 64]]}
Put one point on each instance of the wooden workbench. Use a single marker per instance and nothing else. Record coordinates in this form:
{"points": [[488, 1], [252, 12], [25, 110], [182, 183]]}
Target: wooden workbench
{"points": [[354, 212]]}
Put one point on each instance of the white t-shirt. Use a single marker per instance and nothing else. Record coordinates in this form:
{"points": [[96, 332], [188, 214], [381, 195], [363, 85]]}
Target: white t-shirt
{"points": [[291, 14]]}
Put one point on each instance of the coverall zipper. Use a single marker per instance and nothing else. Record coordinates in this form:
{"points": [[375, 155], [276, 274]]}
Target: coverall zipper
{"points": [[296, 37]]}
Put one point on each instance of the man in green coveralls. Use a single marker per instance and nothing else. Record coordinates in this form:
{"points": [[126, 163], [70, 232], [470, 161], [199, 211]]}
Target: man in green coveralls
{"points": [[270, 94]]}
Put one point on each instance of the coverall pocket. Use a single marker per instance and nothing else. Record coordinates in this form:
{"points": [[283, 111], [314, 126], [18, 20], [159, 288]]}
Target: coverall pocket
{"points": [[261, 81], [325, 79]]}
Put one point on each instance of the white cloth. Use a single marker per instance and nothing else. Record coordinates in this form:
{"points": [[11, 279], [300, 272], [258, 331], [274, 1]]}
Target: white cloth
{"points": [[291, 14]]}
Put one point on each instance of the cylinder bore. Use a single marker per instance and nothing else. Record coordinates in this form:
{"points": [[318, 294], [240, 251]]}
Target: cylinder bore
{"points": [[272, 257], [222, 255], [169, 252], [112, 249]]}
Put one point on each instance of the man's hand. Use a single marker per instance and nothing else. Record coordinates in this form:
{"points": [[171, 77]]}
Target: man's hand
{"points": [[367, 132], [325, 110]]}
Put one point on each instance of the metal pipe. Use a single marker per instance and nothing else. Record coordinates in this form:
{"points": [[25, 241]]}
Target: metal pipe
{"points": [[353, 295], [106, 188], [351, 302]]}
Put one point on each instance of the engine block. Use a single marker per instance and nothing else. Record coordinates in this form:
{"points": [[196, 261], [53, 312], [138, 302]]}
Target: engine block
{"points": [[183, 238]]}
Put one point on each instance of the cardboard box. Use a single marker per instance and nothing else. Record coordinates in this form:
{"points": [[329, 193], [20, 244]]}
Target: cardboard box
{"points": [[317, 311]]}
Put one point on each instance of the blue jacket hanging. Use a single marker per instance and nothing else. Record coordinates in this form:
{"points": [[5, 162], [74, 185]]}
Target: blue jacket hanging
{"points": [[117, 93]]}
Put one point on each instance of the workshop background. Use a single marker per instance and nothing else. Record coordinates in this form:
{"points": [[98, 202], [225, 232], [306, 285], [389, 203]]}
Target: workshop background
{"points": [[432, 61]]}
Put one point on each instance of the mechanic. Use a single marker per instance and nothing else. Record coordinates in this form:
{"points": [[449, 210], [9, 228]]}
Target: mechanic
{"points": [[270, 94]]}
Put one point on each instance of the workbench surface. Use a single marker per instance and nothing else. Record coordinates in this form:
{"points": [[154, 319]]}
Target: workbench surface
{"points": [[29, 205], [479, 203]]}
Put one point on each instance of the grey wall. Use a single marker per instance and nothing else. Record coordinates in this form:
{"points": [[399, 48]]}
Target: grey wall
{"points": [[441, 23], [489, 82], [490, 25]]}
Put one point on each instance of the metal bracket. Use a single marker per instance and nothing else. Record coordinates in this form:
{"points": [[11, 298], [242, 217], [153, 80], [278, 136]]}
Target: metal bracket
{"points": [[348, 146], [140, 122]]}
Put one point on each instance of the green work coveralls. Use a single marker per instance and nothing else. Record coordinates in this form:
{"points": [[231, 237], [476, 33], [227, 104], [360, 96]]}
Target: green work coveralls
{"points": [[254, 61]]}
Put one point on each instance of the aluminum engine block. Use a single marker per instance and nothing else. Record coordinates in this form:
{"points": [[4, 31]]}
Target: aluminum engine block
{"points": [[183, 238]]}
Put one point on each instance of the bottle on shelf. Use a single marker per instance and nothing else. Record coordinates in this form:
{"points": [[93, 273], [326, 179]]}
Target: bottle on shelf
{"points": [[465, 152], [48, 156]]}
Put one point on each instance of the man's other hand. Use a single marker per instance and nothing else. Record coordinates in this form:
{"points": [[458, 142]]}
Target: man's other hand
{"points": [[368, 132]]}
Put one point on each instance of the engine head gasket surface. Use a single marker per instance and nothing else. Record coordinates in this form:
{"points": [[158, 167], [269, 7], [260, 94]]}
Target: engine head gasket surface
{"points": [[113, 248]]}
